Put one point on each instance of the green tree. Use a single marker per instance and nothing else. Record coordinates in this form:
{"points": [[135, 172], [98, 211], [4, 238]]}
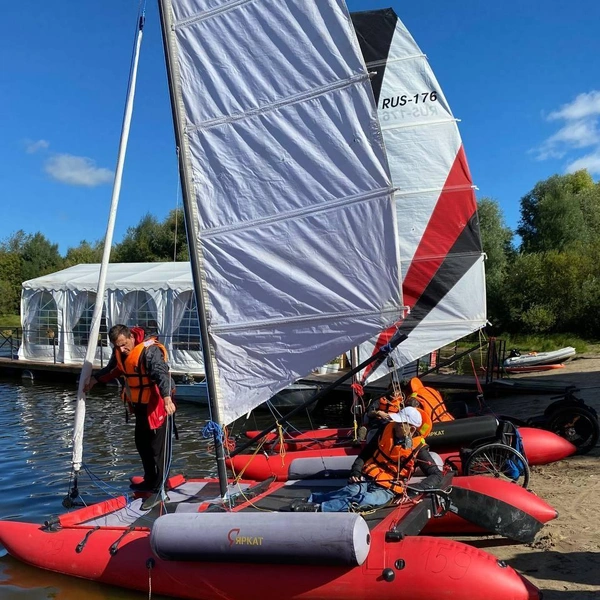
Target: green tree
{"points": [[39, 257], [561, 211], [10, 282], [140, 242], [152, 241], [85, 253], [496, 239]]}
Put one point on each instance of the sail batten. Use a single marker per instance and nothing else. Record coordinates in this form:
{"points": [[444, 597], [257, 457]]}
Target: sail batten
{"points": [[286, 184], [264, 110]]}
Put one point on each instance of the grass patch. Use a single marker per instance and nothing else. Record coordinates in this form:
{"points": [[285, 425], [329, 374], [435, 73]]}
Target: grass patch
{"points": [[10, 321]]}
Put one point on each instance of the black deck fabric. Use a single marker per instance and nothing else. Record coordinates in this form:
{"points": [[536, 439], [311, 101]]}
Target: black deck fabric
{"points": [[282, 498]]}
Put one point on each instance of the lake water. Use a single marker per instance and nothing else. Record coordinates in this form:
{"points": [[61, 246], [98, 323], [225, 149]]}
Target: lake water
{"points": [[36, 424]]}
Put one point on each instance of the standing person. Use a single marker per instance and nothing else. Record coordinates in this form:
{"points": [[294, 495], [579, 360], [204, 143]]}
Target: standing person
{"points": [[381, 470], [142, 363]]}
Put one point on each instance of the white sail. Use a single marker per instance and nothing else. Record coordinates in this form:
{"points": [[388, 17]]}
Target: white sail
{"points": [[443, 275], [291, 213]]}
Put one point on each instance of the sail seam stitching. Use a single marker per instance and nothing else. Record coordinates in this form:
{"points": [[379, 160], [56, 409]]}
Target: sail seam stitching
{"points": [[388, 61], [427, 124], [299, 213], [297, 99], [306, 319], [209, 14], [449, 255], [446, 188]]}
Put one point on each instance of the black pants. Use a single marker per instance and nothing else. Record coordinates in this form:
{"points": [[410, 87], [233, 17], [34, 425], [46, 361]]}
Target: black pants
{"points": [[151, 445]]}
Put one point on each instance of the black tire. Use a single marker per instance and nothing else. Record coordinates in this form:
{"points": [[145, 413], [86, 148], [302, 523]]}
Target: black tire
{"points": [[499, 461], [578, 425]]}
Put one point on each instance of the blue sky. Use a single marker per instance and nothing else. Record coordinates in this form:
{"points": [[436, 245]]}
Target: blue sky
{"points": [[523, 78]]}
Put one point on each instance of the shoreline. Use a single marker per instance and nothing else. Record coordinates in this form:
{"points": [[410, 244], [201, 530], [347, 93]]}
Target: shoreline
{"points": [[564, 559]]}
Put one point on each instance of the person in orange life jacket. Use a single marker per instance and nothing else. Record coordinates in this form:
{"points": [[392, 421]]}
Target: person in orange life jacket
{"points": [[378, 413], [381, 469], [426, 398], [142, 363]]}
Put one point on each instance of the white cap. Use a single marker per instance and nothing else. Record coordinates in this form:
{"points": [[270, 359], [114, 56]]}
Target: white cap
{"points": [[408, 415]]}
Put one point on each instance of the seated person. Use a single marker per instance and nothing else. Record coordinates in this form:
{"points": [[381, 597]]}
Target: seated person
{"points": [[381, 470], [427, 399], [379, 411]]}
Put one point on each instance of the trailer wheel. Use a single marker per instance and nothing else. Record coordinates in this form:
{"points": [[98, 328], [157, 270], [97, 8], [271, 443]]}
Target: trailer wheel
{"points": [[577, 424], [500, 461]]}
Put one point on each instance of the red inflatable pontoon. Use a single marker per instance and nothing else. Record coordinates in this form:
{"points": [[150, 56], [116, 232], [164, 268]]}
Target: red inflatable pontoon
{"points": [[111, 542]]}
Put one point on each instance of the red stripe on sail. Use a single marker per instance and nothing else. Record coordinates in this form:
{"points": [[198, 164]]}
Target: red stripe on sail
{"points": [[446, 223]]}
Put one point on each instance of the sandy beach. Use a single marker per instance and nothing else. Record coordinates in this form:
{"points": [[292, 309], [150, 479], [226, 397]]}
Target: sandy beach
{"points": [[564, 560]]}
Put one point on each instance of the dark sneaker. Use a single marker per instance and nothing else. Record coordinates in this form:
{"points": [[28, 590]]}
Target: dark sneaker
{"points": [[304, 507], [151, 501], [143, 486]]}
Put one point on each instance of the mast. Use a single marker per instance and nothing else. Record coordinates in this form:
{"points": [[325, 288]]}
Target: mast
{"points": [[195, 254], [86, 369]]}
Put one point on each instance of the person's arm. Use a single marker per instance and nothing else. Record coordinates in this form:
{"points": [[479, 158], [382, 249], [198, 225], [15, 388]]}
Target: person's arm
{"points": [[108, 373], [433, 475], [158, 372], [365, 454]]}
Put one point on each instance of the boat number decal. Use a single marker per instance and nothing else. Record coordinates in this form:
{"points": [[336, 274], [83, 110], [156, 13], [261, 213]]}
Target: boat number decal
{"points": [[405, 99], [54, 546], [445, 559], [404, 106], [234, 537]]}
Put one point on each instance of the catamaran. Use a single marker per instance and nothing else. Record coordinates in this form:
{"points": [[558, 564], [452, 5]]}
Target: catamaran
{"points": [[284, 174]]}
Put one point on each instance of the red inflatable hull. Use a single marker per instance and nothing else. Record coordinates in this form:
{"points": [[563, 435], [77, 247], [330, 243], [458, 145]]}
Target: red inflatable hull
{"points": [[415, 568], [432, 569], [541, 447]]}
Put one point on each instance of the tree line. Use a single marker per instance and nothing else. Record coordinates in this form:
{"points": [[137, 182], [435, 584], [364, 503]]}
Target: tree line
{"points": [[544, 277]]}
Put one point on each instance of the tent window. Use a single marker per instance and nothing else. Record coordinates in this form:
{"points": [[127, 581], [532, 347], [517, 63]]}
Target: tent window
{"points": [[143, 313], [82, 328], [44, 327], [187, 335]]}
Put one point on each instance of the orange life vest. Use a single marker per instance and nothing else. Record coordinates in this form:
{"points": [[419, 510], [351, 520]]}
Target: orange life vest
{"points": [[390, 405], [139, 388], [430, 401], [391, 464]]}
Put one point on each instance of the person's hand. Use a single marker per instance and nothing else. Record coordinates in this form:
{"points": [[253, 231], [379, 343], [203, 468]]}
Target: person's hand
{"points": [[383, 415], [89, 384], [354, 479], [170, 405]]}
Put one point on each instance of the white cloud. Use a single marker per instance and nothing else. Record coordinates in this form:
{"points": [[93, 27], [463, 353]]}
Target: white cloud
{"points": [[591, 162], [77, 170], [579, 130], [32, 147], [584, 106]]}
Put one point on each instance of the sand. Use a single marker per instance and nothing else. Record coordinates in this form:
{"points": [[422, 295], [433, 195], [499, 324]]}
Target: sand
{"points": [[564, 560]]}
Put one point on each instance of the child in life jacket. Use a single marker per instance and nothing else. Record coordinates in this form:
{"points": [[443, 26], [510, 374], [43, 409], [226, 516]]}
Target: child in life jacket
{"points": [[379, 412]]}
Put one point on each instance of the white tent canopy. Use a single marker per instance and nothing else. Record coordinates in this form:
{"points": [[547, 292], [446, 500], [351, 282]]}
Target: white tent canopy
{"points": [[56, 311]]}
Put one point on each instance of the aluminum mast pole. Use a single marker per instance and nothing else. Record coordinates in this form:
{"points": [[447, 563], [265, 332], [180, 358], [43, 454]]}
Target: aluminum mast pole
{"points": [[86, 370]]}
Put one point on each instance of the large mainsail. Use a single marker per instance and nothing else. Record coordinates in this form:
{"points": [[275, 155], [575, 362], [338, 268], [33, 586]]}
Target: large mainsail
{"points": [[443, 277], [289, 206]]}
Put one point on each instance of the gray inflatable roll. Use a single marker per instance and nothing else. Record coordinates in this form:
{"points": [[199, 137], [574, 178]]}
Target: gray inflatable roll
{"points": [[299, 538], [317, 466], [331, 467]]}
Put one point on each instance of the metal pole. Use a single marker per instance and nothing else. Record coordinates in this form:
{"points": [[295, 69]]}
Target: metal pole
{"points": [[86, 370]]}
